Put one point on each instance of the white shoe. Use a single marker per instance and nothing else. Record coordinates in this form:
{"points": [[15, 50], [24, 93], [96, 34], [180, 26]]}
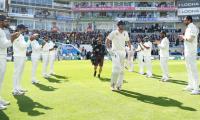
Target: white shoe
{"points": [[195, 92], [130, 70], [119, 88], [149, 76], [165, 79], [23, 90], [2, 107], [112, 87], [46, 76], [16, 93], [4, 103], [141, 73], [35, 82], [188, 88]]}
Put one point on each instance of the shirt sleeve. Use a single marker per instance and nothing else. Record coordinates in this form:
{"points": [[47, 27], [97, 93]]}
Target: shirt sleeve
{"points": [[111, 36], [127, 37], [4, 42], [163, 44], [20, 42]]}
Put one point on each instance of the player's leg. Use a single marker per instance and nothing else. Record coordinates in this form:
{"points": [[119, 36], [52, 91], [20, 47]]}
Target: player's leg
{"points": [[95, 70], [194, 72], [100, 67], [51, 62], [148, 66], [3, 103], [141, 64], [35, 60], [189, 87], [45, 60], [21, 69], [115, 70], [121, 73], [16, 76]]}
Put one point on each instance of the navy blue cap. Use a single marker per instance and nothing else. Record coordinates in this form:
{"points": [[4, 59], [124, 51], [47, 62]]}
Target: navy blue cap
{"points": [[120, 23], [2, 17], [21, 26]]}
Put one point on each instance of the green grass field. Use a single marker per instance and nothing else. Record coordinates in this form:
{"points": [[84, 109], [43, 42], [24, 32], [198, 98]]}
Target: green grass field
{"points": [[74, 94]]}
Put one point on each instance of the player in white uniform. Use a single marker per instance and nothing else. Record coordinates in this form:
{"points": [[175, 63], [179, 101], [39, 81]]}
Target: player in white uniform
{"points": [[140, 56], [35, 57], [118, 38], [163, 45], [45, 56], [19, 47], [52, 56], [130, 56], [147, 46], [4, 44], [190, 50]]}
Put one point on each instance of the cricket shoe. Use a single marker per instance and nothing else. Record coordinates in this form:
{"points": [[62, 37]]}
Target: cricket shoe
{"points": [[2, 107], [195, 92], [188, 88], [18, 93], [4, 103]]}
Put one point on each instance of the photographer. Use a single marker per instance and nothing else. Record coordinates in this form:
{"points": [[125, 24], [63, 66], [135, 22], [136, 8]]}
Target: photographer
{"points": [[99, 52]]}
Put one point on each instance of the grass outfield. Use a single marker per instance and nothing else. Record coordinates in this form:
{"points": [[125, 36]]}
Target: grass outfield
{"points": [[76, 95]]}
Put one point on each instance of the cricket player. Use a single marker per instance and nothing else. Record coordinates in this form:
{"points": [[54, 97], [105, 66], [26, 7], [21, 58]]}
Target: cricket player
{"points": [[35, 57], [163, 45], [147, 46], [140, 56], [4, 44], [118, 38], [190, 50], [99, 51], [52, 56], [45, 56], [130, 56], [19, 47]]}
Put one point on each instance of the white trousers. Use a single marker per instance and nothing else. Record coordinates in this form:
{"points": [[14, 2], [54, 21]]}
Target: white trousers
{"points": [[164, 67], [52, 58], [2, 71], [118, 68], [35, 59], [147, 60], [45, 60], [141, 63], [130, 62], [191, 65], [19, 63]]}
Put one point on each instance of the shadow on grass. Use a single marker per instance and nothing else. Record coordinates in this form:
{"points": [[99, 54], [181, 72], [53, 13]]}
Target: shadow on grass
{"points": [[180, 82], [26, 104], [45, 87], [3, 116], [54, 80], [108, 80], [160, 101], [104, 79], [59, 76]]}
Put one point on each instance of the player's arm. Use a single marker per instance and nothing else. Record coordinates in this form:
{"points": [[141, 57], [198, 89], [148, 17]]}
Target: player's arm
{"points": [[189, 37], [129, 44], [108, 42], [145, 46]]}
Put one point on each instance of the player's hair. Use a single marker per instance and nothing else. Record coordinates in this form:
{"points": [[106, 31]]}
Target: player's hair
{"points": [[189, 18], [163, 32]]}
